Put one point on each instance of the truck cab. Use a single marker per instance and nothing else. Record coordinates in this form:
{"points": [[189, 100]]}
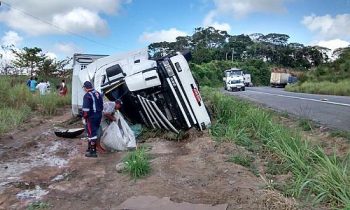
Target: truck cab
{"points": [[159, 93], [236, 85], [234, 79]]}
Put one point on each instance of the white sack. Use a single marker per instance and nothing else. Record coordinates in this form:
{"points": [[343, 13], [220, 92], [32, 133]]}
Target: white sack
{"points": [[118, 135]]}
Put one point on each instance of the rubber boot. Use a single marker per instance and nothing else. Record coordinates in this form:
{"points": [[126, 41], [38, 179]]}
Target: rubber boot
{"points": [[89, 147], [92, 152]]}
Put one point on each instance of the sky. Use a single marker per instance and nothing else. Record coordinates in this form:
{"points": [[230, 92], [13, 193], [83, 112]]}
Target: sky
{"points": [[64, 27]]}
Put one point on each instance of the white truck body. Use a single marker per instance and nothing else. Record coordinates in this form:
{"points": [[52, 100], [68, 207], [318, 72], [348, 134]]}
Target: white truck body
{"points": [[247, 80], [279, 79], [160, 93]]}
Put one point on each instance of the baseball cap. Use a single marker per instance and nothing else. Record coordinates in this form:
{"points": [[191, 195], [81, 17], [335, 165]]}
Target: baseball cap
{"points": [[87, 85]]}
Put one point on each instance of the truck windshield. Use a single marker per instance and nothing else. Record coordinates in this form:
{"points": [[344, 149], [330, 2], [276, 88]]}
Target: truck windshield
{"points": [[235, 81], [236, 73]]}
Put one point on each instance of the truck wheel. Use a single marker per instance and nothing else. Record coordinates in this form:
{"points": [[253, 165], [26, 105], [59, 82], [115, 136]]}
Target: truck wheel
{"points": [[243, 89]]}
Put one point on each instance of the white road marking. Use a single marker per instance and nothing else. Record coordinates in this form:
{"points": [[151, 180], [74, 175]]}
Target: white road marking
{"points": [[301, 98]]}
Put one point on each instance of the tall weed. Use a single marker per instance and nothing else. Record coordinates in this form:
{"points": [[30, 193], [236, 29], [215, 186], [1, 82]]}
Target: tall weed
{"points": [[341, 88]]}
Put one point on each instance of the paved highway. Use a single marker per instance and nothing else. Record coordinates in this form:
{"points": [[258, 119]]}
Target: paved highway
{"points": [[332, 111]]}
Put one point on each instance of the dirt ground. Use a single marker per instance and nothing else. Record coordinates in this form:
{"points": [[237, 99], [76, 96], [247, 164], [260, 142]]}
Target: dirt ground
{"points": [[35, 165]]}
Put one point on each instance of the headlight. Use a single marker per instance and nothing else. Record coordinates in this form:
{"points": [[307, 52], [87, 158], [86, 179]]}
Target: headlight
{"points": [[168, 68]]}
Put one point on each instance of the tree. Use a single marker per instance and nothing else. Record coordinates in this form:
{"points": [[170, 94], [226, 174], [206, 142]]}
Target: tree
{"points": [[28, 58], [50, 67], [5, 64], [275, 39]]}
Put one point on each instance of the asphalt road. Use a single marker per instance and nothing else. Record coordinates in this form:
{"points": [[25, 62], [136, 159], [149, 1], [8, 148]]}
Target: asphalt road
{"points": [[332, 111]]}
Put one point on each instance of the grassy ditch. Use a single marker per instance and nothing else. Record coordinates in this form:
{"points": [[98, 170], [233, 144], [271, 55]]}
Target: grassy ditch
{"points": [[316, 176], [341, 88], [17, 103]]}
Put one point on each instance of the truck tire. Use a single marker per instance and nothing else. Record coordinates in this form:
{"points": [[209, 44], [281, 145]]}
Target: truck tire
{"points": [[243, 89]]}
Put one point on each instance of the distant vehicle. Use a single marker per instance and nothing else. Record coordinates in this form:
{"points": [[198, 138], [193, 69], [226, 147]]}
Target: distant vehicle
{"points": [[236, 79], [159, 93], [247, 80], [279, 79], [236, 85]]}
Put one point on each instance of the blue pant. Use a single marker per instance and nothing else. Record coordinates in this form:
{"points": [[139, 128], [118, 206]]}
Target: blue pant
{"points": [[93, 124]]}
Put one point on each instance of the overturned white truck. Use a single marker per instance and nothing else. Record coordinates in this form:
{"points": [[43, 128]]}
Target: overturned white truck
{"points": [[159, 93]]}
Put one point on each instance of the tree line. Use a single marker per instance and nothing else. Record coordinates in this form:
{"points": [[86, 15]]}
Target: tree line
{"points": [[32, 61], [207, 44]]}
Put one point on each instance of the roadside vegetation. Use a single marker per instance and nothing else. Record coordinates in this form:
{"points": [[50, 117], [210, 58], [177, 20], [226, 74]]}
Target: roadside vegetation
{"points": [[331, 78], [17, 103], [38, 205], [317, 177], [210, 74], [137, 163], [341, 88]]}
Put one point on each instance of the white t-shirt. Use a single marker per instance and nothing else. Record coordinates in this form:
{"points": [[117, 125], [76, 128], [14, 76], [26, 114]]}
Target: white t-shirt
{"points": [[109, 107], [42, 86]]}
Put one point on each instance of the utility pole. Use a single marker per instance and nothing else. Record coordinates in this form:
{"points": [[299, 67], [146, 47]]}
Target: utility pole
{"points": [[232, 54]]}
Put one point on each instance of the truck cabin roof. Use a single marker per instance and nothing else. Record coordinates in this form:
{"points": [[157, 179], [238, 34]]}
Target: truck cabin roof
{"points": [[233, 69]]}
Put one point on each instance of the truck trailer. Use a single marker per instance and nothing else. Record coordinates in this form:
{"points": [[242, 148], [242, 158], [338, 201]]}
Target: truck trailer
{"points": [[279, 79]]}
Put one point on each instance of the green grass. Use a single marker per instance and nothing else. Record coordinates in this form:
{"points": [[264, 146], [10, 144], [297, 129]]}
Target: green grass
{"points": [[243, 160], [38, 205], [305, 124], [137, 163], [17, 102], [342, 134], [341, 88], [274, 167], [316, 176], [11, 118]]}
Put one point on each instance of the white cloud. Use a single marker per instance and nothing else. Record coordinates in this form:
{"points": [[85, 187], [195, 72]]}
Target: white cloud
{"points": [[209, 21], [162, 35], [51, 55], [67, 49], [77, 16], [328, 27], [333, 44], [241, 8], [80, 20], [11, 38]]}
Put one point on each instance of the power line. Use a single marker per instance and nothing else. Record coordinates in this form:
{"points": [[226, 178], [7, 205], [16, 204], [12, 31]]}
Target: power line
{"points": [[57, 27]]}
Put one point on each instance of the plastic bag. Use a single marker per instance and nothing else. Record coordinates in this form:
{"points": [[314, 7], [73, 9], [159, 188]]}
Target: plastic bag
{"points": [[118, 135], [128, 133]]}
